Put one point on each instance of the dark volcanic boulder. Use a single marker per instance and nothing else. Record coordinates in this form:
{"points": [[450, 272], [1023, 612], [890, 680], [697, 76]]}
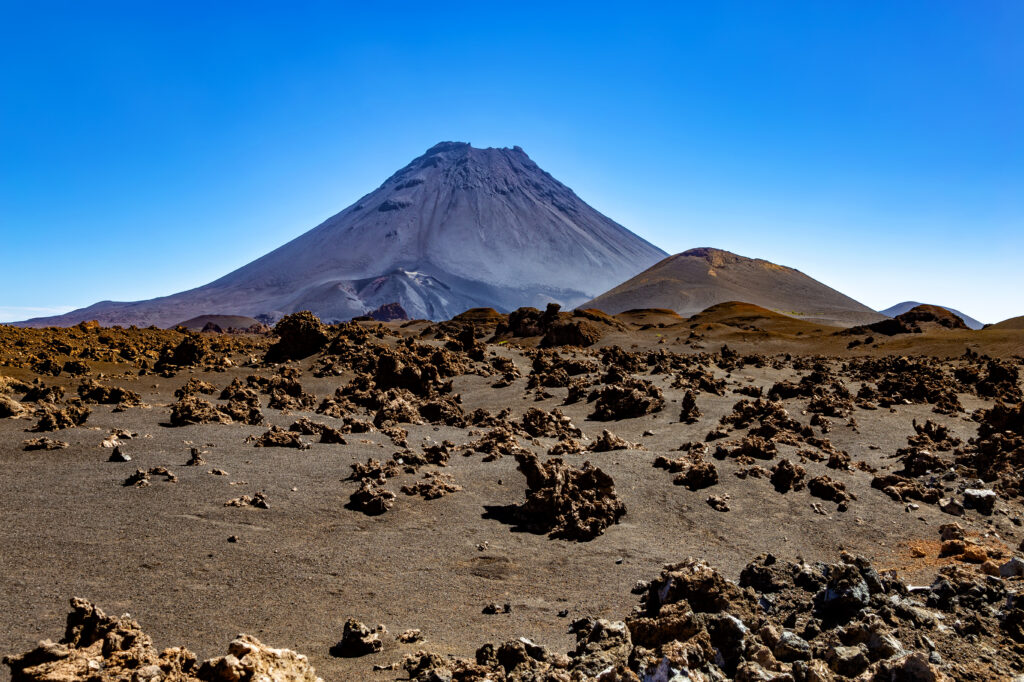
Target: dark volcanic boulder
{"points": [[571, 333], [299, 336]]}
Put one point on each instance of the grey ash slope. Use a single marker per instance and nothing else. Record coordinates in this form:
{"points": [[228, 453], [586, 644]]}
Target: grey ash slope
{"points": [[901, 308], [457, 228], [697, 279]]}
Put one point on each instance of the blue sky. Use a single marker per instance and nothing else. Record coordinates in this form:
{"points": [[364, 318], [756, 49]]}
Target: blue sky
{"points": [[147, 148]]}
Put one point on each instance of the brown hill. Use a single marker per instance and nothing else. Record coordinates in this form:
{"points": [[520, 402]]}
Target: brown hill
{"points": [[750, 317], [695, 280], [480, 316], [650, 316], [915, 321], [933, 314], [1014, 323]]}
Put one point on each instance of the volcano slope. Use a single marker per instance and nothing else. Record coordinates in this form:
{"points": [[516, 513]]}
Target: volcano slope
{"points": [[694, 280], [761, 501], [456, 228]]}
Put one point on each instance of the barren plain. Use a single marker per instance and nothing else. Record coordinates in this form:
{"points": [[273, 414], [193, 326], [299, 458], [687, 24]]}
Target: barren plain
{"points": [[828, 506]]}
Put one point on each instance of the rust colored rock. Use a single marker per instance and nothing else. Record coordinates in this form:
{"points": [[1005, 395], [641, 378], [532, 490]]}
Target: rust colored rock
{"points": [[689, 413], [573, 503], [496, 443], [257, 500], [194, 410], [195, 386], [9, 407], [691, 471], [277, 437], [787, 476], [192, 351], [102, 648], [43, 443], [608, 441], [357, 640], [91, 391], [625, 400], [901, 488], [372, 499], [830, 489], [54, 418], [552, 424], [570, 333], [433, 486], [299, 335], [719, 503]]}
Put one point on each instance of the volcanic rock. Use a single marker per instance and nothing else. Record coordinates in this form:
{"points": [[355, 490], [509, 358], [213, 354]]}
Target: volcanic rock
{"points": [[357, 640], [258, 500], [625, 400], [689, 413], [99, 647], [9, 407], [194, 410], [91, 391], [573, 503], [433, 486], [299, 335], [44, 443], [608, 441], [372, 499], [194, 386], [192, 351], [277, 437], [691, 471], [577, 333], [54, 418], [552, 424], [787, 476], [830, 489]]}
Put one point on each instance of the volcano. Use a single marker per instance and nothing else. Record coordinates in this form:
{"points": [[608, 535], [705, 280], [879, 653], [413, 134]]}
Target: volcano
{"points": [[695, 280], [457, 228]]}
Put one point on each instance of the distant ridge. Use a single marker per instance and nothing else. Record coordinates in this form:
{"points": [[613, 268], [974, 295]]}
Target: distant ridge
{"points": [[695, 280], [900, 308], [457, 228], [1011, 323], [222, 321]]}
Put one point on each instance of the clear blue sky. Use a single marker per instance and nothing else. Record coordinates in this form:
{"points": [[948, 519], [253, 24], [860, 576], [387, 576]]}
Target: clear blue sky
{"points": [[149, 147]]}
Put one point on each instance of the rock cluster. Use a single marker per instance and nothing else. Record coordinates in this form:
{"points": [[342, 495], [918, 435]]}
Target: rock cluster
{"points": [[102, 648], [783, 622]]}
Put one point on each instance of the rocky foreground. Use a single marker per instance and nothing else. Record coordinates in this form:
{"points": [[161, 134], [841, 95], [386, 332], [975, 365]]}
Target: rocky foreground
{"points": [[557, 482]]}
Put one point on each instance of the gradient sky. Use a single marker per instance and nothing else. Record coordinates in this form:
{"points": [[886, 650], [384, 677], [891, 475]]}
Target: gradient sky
{"points": [[147, 148]]}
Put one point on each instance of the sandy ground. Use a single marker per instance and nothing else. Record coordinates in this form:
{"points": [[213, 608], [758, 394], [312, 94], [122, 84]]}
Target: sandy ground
{"points": [[68, 527]]}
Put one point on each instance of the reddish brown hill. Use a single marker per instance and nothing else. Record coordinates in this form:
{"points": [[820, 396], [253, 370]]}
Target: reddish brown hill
{"points": [[1014, 323], [695, 280]]}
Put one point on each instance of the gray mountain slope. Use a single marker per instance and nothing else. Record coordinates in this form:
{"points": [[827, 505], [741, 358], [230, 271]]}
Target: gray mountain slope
{"points": [[457, 228], [901, 308], [697, 279]]}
